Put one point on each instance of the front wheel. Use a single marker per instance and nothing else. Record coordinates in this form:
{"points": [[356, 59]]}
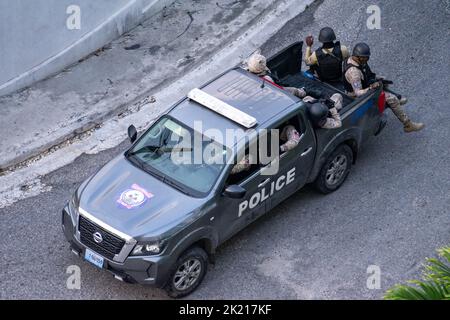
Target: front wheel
{"points": [[335, 170], [188, 273]]}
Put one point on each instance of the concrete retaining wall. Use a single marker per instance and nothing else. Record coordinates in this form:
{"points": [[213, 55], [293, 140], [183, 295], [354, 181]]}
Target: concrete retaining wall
{"points": [[39, 38]]}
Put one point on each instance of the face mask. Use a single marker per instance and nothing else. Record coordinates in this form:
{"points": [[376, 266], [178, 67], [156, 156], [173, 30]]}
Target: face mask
{"points": [[363, 62]]}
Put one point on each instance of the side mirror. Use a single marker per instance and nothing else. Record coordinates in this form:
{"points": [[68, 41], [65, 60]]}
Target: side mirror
{"points": [[235, 192], [132, 133]]}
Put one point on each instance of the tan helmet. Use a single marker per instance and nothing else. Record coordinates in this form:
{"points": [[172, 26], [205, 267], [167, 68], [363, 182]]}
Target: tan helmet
{"points": [[257, 64]]}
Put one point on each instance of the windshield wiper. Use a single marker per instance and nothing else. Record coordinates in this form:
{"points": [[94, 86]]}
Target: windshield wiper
{"points": [[158, 149], [146, 168], [150, 148], [159, 176], [176, 186], [175, 149]]}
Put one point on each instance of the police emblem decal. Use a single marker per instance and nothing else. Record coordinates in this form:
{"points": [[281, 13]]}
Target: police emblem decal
{"points": [[134, 197]]}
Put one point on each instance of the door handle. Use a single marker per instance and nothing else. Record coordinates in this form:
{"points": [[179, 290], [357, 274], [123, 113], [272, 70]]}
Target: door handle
{"points": [[262, 184], [306, 152]]}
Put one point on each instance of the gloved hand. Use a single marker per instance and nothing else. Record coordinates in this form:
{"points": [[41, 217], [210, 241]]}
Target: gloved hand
{"points": [[329, 103], [309, 41], [375, 85]]}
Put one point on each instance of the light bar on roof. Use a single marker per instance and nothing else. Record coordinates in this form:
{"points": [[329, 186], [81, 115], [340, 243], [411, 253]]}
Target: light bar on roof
{"points": [[222, 108]]}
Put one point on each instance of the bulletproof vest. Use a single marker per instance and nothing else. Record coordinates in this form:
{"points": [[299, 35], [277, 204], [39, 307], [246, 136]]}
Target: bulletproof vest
{"points": [[329, 67], [368, 75]]}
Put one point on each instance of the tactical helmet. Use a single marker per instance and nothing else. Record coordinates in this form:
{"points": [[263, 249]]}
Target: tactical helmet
{"points": [[361, 50], [317, 112], [327, 35]]}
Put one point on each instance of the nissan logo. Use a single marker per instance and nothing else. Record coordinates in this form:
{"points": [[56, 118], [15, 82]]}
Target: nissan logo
{"points": [[97, 237]]}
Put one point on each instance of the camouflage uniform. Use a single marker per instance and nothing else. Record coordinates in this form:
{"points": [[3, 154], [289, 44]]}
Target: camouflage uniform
{"points": [[354, 76], [291, 136], [309, 99], [242, 165], [257, 64], [335, 121], [298, 92]]}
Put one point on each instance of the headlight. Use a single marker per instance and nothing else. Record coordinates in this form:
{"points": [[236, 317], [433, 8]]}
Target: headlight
{"points": [[148, 249]]}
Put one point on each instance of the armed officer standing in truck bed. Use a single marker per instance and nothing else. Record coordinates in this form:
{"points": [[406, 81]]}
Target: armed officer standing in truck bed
{"points": [[357, 81], [326, 61]]}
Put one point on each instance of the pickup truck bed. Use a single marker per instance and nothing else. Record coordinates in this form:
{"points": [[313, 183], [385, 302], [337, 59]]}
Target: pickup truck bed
{"points": [[300, 81]]}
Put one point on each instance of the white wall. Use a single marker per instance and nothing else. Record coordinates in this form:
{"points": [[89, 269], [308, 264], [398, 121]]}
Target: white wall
{"points": [[35, 41]]}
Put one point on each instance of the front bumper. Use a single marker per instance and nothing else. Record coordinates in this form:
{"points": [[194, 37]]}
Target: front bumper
{"points": [[146, 270]]}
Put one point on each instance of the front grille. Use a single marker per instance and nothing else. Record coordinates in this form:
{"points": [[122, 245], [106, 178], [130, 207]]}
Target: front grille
{"points": [[109, 247]]}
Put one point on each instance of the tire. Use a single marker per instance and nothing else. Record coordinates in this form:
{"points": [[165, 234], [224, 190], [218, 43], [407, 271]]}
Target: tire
{"points": [[335, 170], [176, 286]]}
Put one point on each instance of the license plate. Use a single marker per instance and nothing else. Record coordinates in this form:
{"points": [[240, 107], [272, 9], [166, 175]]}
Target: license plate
{"points": [[94, 258]]}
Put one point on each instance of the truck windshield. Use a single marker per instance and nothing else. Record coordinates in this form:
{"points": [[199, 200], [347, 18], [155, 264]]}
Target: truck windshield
{"points": [[179, 156]]}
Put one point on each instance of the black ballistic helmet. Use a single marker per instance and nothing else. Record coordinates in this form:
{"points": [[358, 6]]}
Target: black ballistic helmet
{"points": [[317, 112], [327, 35], [361, 50]]}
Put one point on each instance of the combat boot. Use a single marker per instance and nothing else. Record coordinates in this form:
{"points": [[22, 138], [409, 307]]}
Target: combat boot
{"points": [[413, 126]]}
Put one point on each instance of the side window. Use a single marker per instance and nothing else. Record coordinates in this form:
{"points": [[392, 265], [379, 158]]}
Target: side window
{"points": [[244, 167], [290, 132]]}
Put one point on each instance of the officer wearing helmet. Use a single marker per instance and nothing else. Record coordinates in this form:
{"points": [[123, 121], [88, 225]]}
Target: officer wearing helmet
{"points": [[326, 61], [359, 79], [319, 113]]}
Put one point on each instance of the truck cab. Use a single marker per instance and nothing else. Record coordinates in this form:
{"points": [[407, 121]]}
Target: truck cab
{"points": [[156, 213]]}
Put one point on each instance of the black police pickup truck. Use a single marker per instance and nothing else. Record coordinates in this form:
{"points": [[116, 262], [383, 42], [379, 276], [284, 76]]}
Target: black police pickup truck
{"points": [[153, 216]]}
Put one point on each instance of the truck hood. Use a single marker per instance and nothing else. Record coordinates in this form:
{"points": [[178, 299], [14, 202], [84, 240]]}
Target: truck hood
{"points": [[134, 202]]}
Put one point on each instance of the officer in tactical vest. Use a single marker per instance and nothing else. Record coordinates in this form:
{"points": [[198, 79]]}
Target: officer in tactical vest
{"points": [[359, 79], [326, 61]]}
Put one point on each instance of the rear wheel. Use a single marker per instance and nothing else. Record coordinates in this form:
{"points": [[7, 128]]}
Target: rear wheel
{"points": [[335, 170], [188, 273]]}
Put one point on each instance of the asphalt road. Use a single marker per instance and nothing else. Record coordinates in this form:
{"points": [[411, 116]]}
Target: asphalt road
{"points": [[393, 211]]}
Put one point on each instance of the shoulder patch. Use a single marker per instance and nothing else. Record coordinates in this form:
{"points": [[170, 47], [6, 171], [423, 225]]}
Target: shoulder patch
{"points": [[357, 85]]}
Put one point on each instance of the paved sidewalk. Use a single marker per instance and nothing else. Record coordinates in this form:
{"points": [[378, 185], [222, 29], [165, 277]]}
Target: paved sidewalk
{"points": [[122, 76]]}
